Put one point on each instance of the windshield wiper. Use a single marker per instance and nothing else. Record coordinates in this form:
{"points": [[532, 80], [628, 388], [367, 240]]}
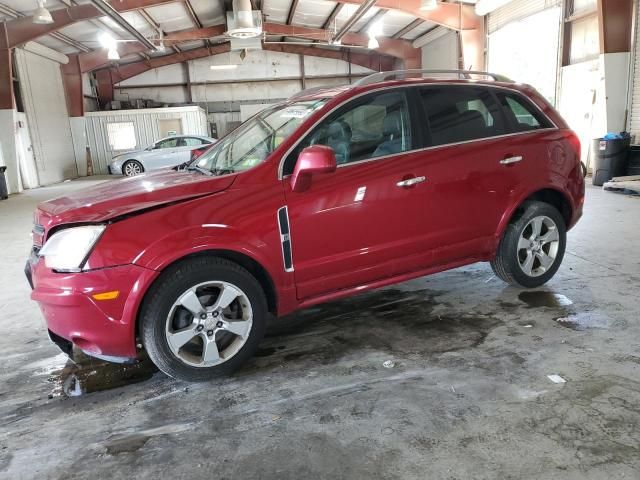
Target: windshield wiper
{"points": [[196, 168]]}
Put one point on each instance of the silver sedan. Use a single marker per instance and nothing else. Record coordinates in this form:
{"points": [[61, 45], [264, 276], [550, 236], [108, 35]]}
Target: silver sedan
{"points": [[165, 153]]}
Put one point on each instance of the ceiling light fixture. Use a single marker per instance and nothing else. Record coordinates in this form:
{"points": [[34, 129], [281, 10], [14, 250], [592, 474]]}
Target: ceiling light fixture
{"points": [[230, 66], [161, 47], [428, 4], [41, 15], [373, 43], [111, 44]]}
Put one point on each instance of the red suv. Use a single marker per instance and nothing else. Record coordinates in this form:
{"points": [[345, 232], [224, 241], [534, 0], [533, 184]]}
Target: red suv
{"points": [[326, 195]]}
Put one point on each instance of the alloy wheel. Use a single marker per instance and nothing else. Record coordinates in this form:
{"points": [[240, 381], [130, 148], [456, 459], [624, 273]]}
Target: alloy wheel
{"points": [[209, 323], [132, 168], [538, 246]]}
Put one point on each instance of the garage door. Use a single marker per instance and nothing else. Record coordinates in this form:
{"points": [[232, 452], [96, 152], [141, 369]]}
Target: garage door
{"points": [[47, 117], [516, 48], [634, 121]]}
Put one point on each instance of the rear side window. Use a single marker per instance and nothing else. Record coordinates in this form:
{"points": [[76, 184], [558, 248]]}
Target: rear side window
{"points": [[522, 116], [461, 113], [192, 142]]}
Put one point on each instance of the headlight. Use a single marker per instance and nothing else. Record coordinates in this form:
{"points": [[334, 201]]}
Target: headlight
{"points": [[67, 249]]}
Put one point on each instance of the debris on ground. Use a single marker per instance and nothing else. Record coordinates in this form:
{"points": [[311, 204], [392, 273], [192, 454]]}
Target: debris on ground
{"points": [[389, 364], [556, 378], [629, 185]]}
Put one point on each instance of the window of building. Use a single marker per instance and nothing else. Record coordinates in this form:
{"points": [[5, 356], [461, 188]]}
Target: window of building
{"points": [[121, 136]]}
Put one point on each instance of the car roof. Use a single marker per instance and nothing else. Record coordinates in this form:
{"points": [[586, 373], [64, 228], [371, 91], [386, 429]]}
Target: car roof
{"points": [[204, 137]]}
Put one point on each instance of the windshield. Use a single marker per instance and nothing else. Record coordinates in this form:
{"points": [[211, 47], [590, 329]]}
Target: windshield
{"points": [[252, 142]]}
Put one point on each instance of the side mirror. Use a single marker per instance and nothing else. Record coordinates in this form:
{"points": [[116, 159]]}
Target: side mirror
{"points": [[311, 161]]}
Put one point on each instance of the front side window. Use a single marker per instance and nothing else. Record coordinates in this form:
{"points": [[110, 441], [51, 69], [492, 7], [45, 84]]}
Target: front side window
{"points": [[252, 142], [523, 116], [374, 126], [461, 114], [168, 143]]}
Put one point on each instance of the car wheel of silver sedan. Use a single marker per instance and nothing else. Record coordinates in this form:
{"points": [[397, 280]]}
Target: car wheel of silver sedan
{"points": [[203, 318], [132, 168]]}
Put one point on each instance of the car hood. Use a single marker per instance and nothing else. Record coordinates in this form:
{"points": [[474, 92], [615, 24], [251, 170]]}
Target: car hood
{"points": [[129, 195], [122, 156]]}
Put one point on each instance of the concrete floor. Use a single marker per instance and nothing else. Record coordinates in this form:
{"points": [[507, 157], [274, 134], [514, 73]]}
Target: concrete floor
{"points": [[468, 396]]}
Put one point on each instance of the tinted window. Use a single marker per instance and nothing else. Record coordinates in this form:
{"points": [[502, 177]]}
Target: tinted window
{"points": [[460, 114], [521, 114], [374, 126]]}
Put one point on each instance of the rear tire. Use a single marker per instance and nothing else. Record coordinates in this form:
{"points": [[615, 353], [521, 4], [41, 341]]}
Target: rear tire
{"points": [[131, 168], [532, 247], [203, 318]]}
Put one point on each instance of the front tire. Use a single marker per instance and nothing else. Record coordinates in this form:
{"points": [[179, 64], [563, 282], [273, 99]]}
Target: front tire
{"points": [[203, 318], [132, 168], [532, 248]]}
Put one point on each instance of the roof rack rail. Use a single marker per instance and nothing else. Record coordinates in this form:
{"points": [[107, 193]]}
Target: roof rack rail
{"points": [[417, 73]]}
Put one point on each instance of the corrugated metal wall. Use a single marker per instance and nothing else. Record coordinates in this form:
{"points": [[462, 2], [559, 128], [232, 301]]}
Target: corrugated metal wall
{"points": [[516, 10], [47, 116], [634, 117], [194, 122]]}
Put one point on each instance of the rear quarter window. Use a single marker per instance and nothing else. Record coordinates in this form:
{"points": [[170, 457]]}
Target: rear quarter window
{"points": [[521, 114]]}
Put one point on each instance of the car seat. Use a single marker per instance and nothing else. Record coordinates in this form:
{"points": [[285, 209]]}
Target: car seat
{"points": [[392, 131]]}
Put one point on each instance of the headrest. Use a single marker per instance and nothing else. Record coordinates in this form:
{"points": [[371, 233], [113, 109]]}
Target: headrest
{"points": [[338, 132], [392, 124]]}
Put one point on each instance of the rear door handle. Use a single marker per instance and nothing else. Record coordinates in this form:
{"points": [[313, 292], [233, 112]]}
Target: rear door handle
{"points": [[411, 181], [512, 160]]}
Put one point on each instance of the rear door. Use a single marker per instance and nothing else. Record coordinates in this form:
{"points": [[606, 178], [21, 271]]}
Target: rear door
{"points": [[470, 185], [358, 224]]}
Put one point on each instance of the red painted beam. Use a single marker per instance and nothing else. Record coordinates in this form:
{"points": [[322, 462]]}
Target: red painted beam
{"points": [[22, 30], [72, 82], [196, 34], [388, 46], [104, 86], [122, 72], [7, 100], [455, 16], [615, 18], [450, 15]]}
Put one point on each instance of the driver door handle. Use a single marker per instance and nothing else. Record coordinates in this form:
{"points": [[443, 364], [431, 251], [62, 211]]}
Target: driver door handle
{"points": [[411, 182], [512, 160]]}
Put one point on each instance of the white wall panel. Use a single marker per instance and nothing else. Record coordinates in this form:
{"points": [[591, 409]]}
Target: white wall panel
{"points": [[169, 74], [46, 109], [442, 53]]}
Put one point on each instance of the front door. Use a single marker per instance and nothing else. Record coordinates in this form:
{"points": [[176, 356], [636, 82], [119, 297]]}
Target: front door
{"points": [[358, 224]]}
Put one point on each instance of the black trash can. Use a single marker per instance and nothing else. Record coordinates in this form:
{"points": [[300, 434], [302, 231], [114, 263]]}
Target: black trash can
{"points": [[633, 164], [610, 159], [4, 191]]}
